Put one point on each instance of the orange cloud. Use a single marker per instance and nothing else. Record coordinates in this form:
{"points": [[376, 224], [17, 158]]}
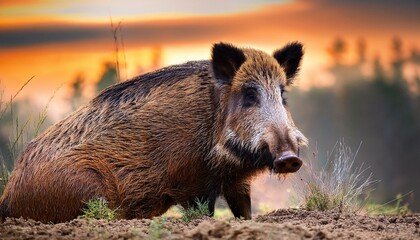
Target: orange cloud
{"points": [[269, 25]]}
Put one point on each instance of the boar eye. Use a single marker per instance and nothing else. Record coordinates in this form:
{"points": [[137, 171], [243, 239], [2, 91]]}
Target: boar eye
{"points": [[250, 97]]}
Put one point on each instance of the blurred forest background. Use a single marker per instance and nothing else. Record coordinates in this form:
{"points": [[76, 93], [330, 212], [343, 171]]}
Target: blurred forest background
{"points": [[380, 110], [373, 99]]}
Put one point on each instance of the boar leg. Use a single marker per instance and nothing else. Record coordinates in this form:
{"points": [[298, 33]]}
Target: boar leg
{"points": [[239, 200], [211, 199]]}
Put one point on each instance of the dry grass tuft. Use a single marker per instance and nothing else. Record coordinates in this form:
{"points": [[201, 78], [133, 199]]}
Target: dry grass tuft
{"points": [[339, 185]]}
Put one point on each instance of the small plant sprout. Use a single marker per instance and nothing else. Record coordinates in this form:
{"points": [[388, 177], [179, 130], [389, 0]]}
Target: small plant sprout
{"points": [[339, 185], [98, 209], [200, 210]]}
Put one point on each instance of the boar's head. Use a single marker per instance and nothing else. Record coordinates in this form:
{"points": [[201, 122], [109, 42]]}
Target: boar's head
{"points": [[251, 87]]}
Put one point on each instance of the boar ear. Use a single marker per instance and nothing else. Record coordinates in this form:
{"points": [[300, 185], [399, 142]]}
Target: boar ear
{"points": [[289, 58], [226, 60]]}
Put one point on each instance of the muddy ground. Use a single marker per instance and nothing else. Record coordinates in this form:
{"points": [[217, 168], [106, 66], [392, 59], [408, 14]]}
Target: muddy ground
{"points": [[280, 224]]}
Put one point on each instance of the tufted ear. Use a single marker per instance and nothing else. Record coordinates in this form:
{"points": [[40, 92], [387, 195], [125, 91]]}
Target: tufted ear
{"points": [[226, 60], [289, 57]]}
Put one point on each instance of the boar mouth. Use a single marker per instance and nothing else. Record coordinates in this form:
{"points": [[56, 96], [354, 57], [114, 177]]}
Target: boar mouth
{"points": [[260, 157]]}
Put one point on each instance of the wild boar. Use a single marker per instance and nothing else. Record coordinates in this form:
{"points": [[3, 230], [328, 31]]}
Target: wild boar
{"points": [[198, 130]]}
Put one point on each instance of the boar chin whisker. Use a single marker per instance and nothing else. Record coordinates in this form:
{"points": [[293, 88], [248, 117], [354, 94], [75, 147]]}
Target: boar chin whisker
{"points": [[246, 154]]}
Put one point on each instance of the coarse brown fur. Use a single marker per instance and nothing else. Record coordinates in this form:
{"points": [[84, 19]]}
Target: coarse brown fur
{"points": [[167, 137]]}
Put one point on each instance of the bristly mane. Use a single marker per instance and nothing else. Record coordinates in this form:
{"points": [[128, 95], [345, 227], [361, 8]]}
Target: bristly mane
{"points": [[123, 92]]}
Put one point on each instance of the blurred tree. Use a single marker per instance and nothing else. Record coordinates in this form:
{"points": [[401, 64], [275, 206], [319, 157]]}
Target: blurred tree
{"points": [[337, 50], [398, 59], [77, 98], [108, 77], [378, 70], [361, 51], [417, 81], [415, 55], [346, 73]]}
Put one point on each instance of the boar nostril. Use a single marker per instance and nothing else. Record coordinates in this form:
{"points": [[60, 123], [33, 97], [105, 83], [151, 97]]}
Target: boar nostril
{"points": [[288, 163], [296, 164]]}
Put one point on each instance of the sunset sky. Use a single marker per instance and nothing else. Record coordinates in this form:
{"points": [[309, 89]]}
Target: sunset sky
{"points": [[57, 40]]}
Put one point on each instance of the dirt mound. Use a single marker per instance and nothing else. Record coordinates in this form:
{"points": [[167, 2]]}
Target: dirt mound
{"points": [[337, 225], [284, 224]]}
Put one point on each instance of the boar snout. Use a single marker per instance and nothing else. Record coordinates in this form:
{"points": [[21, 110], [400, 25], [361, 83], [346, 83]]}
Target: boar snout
{"points": [[288, 162]]}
